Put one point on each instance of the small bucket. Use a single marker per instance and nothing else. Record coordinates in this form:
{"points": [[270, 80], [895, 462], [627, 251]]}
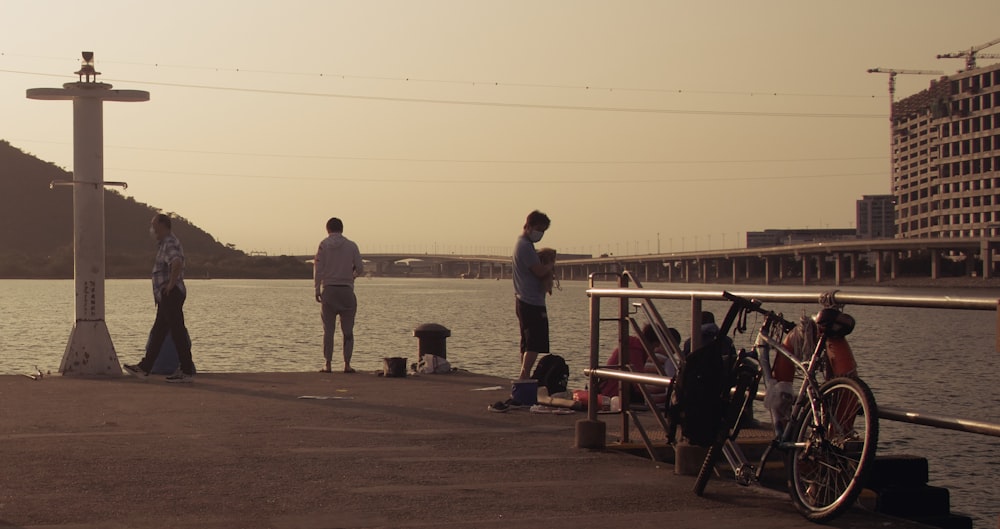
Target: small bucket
{"points": [[524, 391], [394, 367]]}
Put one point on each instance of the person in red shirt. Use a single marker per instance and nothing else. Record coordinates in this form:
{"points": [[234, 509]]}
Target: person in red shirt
{"points": [[637, 359]]}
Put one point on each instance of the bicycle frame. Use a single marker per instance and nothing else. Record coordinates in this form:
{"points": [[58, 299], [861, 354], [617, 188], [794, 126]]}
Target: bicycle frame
{"points": [[828, 451], [808, 395]]}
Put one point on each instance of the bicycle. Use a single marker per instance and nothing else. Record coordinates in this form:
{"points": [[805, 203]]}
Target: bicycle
{"points": [[829, 434]]}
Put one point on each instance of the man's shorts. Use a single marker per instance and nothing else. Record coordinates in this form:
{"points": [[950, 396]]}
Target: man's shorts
{"points": [[534, 320]]}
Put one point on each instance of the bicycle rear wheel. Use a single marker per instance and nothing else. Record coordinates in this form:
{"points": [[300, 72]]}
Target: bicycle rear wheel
{"points": [[744, 392], [826, 474]]}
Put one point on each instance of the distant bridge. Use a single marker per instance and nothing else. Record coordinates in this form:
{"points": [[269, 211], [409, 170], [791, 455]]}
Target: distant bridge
{"points": [[439, 265], [841, 260]]}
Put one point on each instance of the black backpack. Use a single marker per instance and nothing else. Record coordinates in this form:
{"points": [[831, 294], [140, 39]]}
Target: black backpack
{"points": [[699, 398], [552, 373]]}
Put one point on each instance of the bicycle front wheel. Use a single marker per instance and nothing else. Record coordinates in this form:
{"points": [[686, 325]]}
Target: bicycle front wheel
{"points": [[826, 470]]}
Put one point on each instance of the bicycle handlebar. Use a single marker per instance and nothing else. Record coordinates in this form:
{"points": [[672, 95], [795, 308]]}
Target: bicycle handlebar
{"points": [[754, 305]]}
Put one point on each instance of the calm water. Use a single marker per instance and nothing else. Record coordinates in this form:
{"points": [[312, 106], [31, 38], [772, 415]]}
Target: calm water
{"points": [[936, 361]]}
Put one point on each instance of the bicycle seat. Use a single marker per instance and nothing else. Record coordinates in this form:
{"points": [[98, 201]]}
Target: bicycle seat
{"points": [[834, 323]]}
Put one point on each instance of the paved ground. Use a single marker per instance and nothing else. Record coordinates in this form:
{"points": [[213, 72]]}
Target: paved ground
{"points": [[244, 450]]}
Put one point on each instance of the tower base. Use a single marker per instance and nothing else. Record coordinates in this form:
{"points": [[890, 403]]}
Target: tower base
{"points": [[90, 351]]}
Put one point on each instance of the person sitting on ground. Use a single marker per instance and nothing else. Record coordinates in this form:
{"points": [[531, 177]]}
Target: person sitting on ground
{"points": [[637, 358], [660, 355], [659, 393], [709, 331]]}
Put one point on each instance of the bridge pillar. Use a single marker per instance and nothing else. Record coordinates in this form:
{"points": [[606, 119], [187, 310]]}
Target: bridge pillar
{"points": [[986, 255], [935, 262], [767, 270], [837, 261], [805, 269], [878, 266], [893, 264], [853, 261], [736, 269]]}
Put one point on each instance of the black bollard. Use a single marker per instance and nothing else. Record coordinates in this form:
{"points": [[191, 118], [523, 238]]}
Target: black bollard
{"points": [[431, 338]]}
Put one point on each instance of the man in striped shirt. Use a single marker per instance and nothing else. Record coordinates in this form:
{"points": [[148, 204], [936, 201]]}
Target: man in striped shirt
{"points": [[169, 294]]}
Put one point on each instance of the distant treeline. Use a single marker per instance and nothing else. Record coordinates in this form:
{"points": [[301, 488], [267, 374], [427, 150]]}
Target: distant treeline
{"points": [[36, 231]]}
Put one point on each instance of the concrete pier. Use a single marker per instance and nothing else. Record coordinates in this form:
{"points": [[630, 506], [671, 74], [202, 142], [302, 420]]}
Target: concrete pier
{"points": [[246, 450]]}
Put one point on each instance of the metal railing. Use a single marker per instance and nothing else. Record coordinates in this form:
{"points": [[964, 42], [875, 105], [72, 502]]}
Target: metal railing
{"points": [[623, 294], [884, 412]]}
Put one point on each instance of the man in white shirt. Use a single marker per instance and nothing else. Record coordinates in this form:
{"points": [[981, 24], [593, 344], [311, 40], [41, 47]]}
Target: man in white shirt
{"points": [[337, 263]]}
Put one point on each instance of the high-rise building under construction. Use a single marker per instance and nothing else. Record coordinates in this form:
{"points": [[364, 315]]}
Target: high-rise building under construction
{"points": [[946, 157]]}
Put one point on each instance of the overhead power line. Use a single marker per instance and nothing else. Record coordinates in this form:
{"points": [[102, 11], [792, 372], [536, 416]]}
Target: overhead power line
{"points": [[498, 104], [495, 104], [468, 82]]}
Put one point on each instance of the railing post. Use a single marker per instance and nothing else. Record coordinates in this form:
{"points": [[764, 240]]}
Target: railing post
{"points": [[695, 323], [590, 432], [595, 350], [623, 352]]}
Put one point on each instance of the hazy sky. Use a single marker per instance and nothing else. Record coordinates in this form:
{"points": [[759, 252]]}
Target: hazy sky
{"points": [[438, 125]]}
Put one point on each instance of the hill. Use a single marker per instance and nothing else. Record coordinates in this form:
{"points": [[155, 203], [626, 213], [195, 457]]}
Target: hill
{"points": [[36, 231]]}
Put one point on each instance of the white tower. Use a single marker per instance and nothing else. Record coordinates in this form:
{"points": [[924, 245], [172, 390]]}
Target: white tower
{"points": [[89, 351]]}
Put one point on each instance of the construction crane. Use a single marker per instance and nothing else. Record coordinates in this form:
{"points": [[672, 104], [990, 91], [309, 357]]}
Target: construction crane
{"points": [[971, 54], [894, 72]]}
